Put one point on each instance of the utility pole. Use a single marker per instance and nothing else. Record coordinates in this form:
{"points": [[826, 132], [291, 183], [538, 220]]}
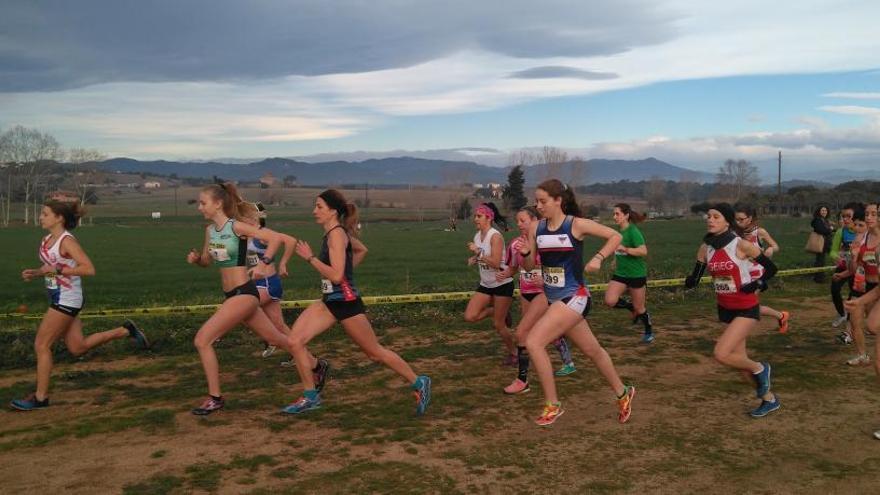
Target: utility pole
{"points": [[779, 186], [175, 198]]}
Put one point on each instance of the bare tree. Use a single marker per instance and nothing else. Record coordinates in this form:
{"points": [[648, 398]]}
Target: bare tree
{"points": [[553, 158], [28, 150], [737, 178], [655, 193], [85, 171], [580, 171]]}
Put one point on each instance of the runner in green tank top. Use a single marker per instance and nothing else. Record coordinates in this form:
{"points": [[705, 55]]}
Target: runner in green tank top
{"points": [[631, 270]]}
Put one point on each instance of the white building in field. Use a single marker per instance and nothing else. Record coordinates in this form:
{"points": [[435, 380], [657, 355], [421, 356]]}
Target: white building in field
{"points": [[152, 185]]}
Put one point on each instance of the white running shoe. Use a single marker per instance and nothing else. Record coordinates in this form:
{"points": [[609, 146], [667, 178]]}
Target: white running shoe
{"points": [[860, 360], [268, 351], [877, 434], [840, 320]]}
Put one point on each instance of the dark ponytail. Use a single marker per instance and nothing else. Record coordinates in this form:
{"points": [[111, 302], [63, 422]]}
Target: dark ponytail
{"points": [[556, 189], [347, 212], [70, 211], [634, 216], [499, 219]]}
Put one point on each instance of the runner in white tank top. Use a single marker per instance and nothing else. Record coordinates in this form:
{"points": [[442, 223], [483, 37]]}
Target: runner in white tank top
{"points": [[493, 297], [747, 228], [63, 262]]}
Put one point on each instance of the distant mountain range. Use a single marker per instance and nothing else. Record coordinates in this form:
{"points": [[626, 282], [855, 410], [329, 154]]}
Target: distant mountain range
{"points": [[409, 170]]}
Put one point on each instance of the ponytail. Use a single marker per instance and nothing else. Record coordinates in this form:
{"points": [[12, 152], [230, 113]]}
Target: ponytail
{"points": [[347, 212], [556, 189], [233, 205], [499, 219], [634, 216], [70, 211]]}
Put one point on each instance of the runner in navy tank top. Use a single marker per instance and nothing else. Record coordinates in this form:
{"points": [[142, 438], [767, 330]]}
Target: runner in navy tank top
{"points": [[341, 252], [558, 239], [730, 261]]}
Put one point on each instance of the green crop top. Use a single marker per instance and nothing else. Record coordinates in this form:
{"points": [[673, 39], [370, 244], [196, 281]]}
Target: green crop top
{"points": [[226, 248]]}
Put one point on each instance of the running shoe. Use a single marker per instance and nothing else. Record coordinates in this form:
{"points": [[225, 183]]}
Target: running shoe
{"points": [[860, 360], [29, 403], [320, 374], [511, 360], [783, 322], [625, 403], [840, 320], [517, 387], [648, 337], [844, 338], [135, 333], [302, 405], [287, 363], [422, 387], [268, 350], [567, 369], [765, 408], [877, 434], [762, 380], [210, 405], [550, 414]]}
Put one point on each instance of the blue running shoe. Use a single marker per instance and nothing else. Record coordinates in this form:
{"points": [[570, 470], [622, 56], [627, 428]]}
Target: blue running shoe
{"points": [[29, 403], [762, 381], [766, 408], [647, 337], [302, 405], [320, 374], [422, 387], [135, 333]]}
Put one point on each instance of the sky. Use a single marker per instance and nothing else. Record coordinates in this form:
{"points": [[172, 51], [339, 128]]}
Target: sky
{"points": [[691, 83]]}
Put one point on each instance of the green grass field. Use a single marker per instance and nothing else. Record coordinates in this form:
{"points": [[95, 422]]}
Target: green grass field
{"points": [[120, 421]]}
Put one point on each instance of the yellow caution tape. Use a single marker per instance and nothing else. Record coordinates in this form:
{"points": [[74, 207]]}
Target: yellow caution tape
{"points": [[371, 300]]}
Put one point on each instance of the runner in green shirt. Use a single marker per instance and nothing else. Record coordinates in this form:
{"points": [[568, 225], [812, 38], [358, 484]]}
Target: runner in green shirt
{"points": [[631, 271]]}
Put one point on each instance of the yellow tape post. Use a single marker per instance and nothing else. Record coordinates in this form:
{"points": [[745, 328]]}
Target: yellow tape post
{"points": [[372, 300]]}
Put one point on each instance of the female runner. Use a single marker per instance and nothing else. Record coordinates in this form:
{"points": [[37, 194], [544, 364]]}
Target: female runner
{"points": [[493, 296], [747, 228], [558, 239], [730, 262], [340, 252], [226, 246], [864, 267], [533, 303], [63, 263], [630, 271]]}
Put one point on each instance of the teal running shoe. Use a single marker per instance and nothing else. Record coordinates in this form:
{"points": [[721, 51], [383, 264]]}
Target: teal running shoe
{"points": [[567, 369], [303, 404], [422, 387], [29, 403], [136, 334]]}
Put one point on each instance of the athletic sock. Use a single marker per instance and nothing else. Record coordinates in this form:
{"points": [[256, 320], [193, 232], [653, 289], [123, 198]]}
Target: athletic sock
{"points": [[218, 398], [564, 351], [522, 358], [645, 318]]}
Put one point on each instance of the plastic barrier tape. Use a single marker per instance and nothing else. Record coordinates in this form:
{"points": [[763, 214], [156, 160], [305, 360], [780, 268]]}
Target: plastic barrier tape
{"points": [[370, 300]]}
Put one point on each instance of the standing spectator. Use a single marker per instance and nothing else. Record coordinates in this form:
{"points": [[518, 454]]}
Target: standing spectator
{"points": [[822, 226]]}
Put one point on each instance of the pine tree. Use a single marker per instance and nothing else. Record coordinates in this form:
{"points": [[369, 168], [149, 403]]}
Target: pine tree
{"points": [[514, 197]]}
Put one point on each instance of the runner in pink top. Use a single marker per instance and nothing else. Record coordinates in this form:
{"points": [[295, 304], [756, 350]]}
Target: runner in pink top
{"points": [[531, 287]]}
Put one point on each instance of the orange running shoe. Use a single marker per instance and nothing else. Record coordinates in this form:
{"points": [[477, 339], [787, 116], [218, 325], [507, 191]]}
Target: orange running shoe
{"points": [[783, 322], [624, 404], [550, 414]]}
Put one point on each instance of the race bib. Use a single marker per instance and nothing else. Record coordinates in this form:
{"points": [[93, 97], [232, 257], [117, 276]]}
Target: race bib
{"points": [[530, 276], [218, 252], [554, 276], [870, 258], [51, 282], [724, 285], [326, 286], [252, 260]]}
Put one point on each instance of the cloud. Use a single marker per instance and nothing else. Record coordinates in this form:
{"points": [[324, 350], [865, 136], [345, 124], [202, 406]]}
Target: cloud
{"points": [[557, 71], [851, 109], [857, 96], [51, 45]]}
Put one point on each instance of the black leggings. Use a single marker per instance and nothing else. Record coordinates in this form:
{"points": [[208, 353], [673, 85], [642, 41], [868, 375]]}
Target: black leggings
{"points": [[837, 293], [819, 261]]}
